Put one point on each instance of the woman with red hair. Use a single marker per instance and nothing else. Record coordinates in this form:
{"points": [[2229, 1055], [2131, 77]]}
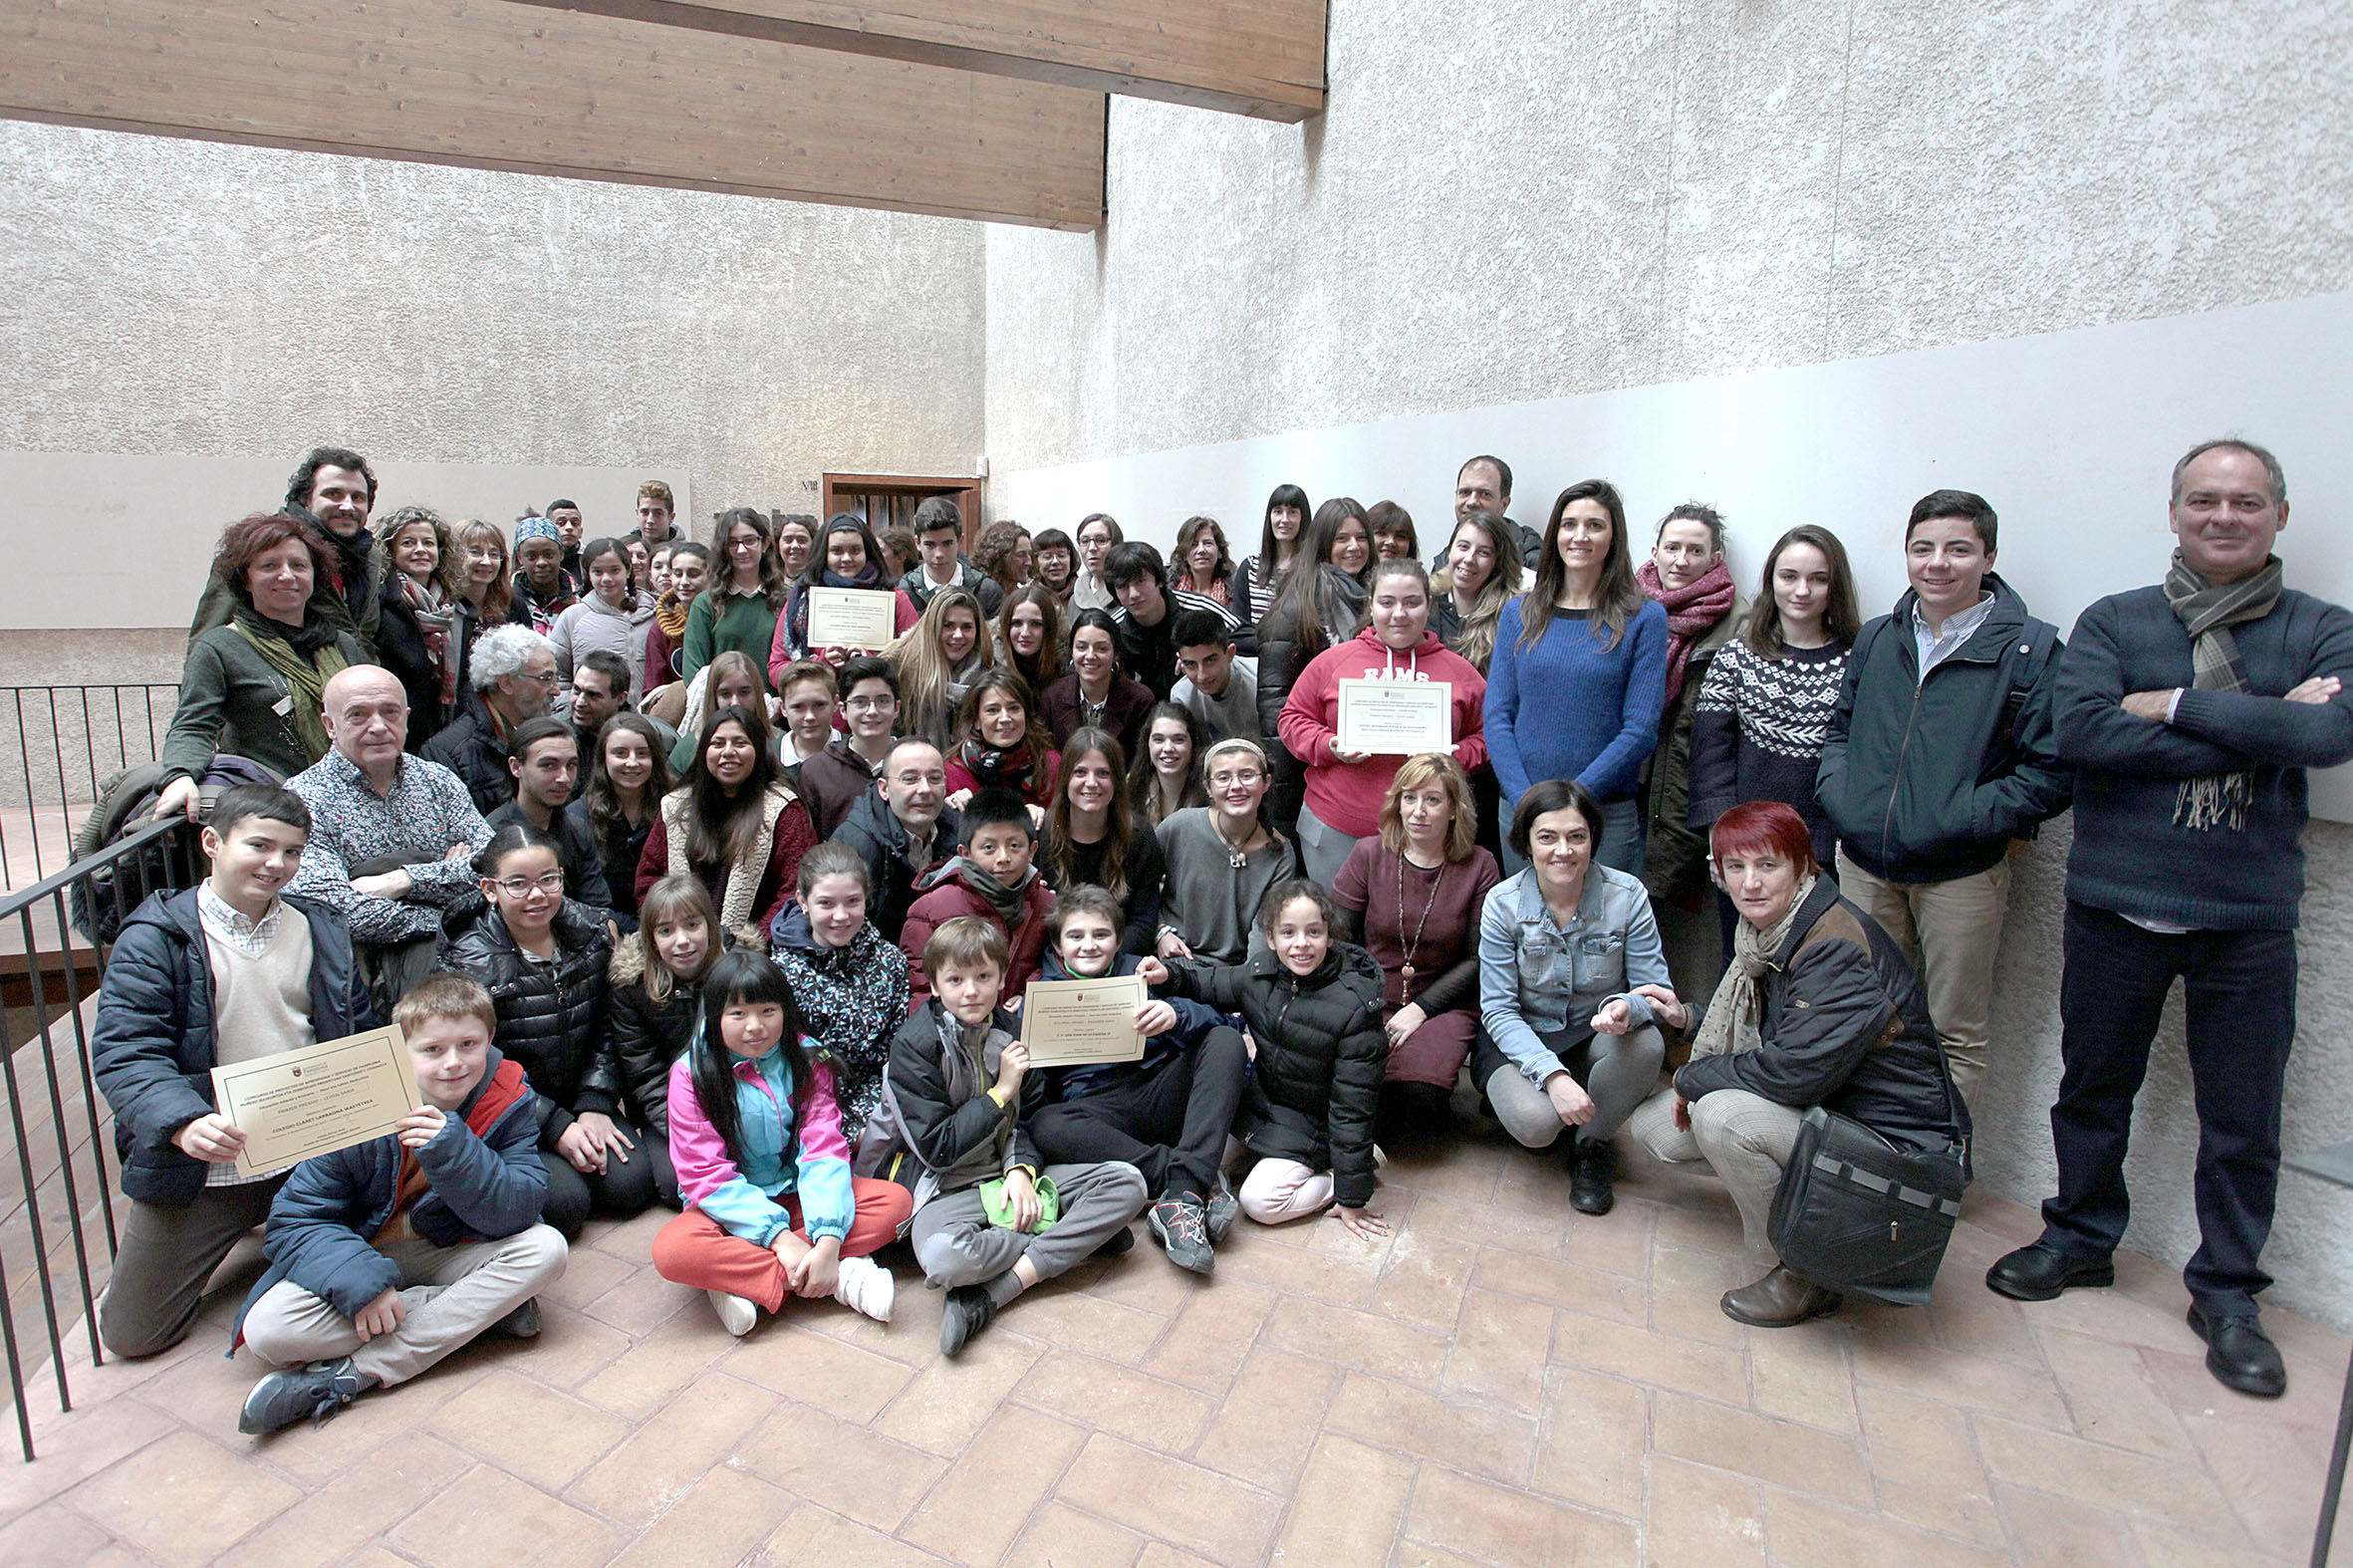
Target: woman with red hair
{"points": [[1818, 1008], [256, 688]]}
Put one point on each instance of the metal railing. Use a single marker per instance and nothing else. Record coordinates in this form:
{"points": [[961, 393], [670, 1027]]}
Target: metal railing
{"points": [[59, 928], [58, 744]]}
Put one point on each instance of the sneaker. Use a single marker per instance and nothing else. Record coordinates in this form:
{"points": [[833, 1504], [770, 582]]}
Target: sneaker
{"points": [[738, 1314], [1119, 1243], [862, 1285], [314, 1392], [1592, 1166], [966, 1313], [1223, 1206], [1180, 1228], [522, 1323]]}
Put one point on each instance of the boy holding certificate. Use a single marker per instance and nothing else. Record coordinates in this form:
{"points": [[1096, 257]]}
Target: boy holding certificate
{"points": [[1165, 1114], [227, 971], [387, 1256], [991, 1219]]}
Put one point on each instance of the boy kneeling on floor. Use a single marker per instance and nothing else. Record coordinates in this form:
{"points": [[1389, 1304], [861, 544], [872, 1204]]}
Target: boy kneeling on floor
{"points": [[388, 1255], [959, 1088]]}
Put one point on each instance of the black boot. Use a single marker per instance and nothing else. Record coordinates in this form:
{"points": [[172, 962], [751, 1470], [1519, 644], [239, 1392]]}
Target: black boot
{"points": [[1592, 1166]]}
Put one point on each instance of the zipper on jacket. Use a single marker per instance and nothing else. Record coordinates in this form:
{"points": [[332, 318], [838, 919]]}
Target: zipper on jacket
{"points": [[1887, 821]]}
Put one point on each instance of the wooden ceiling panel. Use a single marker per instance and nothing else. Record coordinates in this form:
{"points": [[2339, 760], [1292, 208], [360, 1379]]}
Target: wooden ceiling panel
{"points": [[488, 84], [1251, 56]]}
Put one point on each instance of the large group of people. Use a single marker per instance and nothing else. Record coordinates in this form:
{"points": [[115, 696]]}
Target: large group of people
{"points": [[674, 907]]}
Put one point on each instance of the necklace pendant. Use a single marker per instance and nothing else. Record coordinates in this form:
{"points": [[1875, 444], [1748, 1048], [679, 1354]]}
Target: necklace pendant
{"points": [[1406, 972], [1237, 861]]}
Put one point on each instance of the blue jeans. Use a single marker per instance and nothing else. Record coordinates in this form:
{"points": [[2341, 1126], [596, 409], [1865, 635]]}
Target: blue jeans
{"points": [[2242, 1016]]}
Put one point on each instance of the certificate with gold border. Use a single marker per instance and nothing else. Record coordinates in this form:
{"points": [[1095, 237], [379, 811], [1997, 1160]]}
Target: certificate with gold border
{"points": [[324, 1096]]}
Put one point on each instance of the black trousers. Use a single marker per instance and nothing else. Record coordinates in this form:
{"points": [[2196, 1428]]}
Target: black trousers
{"points": [[1169, 1122], [2242, 1016], [628, 1187]]}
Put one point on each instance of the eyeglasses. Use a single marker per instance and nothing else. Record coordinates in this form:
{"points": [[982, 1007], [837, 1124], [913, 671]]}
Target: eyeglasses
{"points": [[870, 704], [517, 887], [546, 678]]}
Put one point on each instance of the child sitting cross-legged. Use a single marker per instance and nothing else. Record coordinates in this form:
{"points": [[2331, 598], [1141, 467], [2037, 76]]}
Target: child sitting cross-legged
{"points": [[387, 1256], [772, 1211], [992, 1220], [1167, 1114]]}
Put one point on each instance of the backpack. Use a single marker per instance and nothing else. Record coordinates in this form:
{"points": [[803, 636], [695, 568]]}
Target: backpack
{"points": [[100, 901]]}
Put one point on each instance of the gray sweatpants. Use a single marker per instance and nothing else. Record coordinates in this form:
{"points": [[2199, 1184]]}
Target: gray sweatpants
{"points": [[1618, 1070], [956, 1245], [451, 1294]]}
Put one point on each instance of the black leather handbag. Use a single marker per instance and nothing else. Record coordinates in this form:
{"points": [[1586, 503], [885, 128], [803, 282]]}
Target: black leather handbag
{"points": [[1855, 1213]]}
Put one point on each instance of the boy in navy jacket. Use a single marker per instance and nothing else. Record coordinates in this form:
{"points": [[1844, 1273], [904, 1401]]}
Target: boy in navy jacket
{"points": [[227, 971], [387, 1256], [1165, 1114]]}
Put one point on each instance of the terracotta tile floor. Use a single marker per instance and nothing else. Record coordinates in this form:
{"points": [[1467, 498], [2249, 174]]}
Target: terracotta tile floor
{"points": [[1501, 1381]]}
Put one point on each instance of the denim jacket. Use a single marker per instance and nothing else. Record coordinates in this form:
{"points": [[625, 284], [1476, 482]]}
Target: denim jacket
{"points": [[1537, 977]]}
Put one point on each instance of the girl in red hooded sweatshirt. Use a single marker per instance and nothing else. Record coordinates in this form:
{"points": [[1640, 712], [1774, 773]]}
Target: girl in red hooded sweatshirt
{"points": [[1345, 788]]}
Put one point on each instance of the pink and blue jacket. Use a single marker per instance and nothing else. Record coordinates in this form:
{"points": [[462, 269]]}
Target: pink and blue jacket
{"points": [[742, 1190]]}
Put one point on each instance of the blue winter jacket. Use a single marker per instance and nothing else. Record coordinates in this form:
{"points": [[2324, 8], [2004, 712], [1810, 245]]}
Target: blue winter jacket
{"points": [[153, 1048], [1195, 1020], [483, 1179]]}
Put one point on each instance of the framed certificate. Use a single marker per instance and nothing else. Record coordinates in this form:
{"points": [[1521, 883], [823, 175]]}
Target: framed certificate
{"points": [[861, 618], [313, 1101], [1067, 1022], [1396, 718]]}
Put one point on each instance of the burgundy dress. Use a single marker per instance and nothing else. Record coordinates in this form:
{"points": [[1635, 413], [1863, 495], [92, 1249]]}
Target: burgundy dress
{"points": [[1436, 915]]}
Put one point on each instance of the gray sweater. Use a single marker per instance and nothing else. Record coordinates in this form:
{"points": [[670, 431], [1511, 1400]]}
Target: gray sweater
{"points": [[1210, 902]]}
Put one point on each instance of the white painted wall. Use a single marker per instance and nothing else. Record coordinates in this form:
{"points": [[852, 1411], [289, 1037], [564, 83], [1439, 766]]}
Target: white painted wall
{"points": [[1808, 260]]}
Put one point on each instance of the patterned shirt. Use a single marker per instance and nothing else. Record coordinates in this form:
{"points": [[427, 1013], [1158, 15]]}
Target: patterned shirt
{"points": [[428, 813], [224, 923]]}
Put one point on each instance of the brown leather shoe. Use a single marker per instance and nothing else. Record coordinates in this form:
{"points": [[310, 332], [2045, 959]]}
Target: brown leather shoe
{"points": [[1779, 1300]]}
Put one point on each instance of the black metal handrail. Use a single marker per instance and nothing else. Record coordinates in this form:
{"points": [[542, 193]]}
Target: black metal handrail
{"points": [[87, 902], [67, 741]]}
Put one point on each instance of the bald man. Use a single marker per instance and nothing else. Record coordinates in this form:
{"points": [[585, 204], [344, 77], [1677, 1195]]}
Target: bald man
{"points": [[394, 836]]}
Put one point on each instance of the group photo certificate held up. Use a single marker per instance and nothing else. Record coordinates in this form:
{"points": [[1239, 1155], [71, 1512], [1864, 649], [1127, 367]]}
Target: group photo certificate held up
{"points": [[1396, 718], [313, 1101], [860, 617], [1068, 1022]]}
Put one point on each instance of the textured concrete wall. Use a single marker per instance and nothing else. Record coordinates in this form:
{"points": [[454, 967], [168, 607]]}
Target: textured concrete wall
{"points": [[1513, 199], [178, 296]]}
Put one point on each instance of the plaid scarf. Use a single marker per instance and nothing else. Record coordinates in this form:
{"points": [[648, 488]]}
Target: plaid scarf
{"points": [[2207, 611]]}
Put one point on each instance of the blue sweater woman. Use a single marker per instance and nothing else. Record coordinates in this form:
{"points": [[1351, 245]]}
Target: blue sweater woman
{"points": [[1571, 707]]}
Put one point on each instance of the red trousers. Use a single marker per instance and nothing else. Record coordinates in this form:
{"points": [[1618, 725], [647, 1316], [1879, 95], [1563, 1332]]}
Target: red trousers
{"points": [[693, 1249]]}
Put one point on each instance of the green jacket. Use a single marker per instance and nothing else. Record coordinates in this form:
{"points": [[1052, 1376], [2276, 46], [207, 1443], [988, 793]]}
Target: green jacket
{"points": [[358, 611], [746, 624], [229, 700]]}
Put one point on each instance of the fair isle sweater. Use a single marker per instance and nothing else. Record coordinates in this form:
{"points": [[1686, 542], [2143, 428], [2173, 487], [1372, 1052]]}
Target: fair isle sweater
{"points": [[1758, 729]]}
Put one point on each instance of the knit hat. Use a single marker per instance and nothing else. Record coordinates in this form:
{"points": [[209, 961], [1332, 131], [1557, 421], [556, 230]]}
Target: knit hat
{"points": [[531, 528]]}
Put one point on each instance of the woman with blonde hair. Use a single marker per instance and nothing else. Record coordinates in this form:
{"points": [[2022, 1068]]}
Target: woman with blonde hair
{"points": [[654, 986], [1412, 896], [732, 680], [1482, 573], [484, 568], [938, 660]]}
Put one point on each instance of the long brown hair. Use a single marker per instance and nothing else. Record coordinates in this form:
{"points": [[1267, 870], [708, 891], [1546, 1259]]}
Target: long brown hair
{"points": [[1617, 597], [924, 673], [720, 827], [678, 893], [774, 585], [1049, 668], [601, 798], [1120, 821], [1842, 619], [1476, 640], [498, 595], [1034, 735], [447, 570]]}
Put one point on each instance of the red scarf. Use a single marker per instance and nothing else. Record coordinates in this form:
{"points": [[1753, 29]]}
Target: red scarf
{"points": [[1691, 611]]}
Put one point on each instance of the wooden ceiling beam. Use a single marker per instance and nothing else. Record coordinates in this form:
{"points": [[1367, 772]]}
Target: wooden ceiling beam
{"points": [[489, 84], [1263, 58]]}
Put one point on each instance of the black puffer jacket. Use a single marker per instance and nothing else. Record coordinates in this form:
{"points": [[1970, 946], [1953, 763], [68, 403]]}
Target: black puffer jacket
{"points": [[1316, 1082], [551, 1016], [1845, 1025], [1280, 658], [647, 1036]]}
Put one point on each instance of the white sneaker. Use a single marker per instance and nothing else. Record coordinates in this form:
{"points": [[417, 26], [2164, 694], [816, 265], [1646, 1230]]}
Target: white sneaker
{"points": [[862, 1285], [738, 1314]]}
